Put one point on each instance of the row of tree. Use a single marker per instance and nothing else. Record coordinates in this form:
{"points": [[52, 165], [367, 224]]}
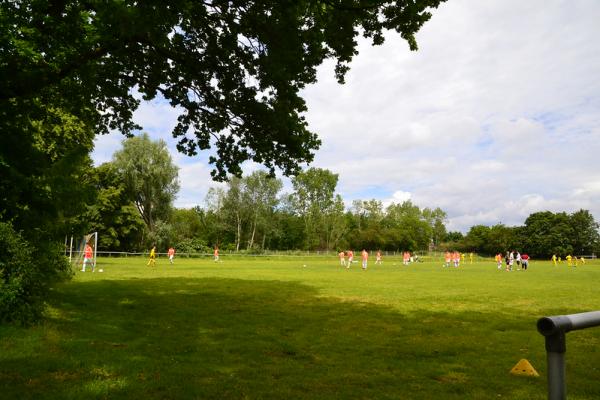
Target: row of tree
{"points": [[133, 208], [543, 234]]}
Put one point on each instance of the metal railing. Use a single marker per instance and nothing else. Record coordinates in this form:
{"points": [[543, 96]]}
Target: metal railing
{"points": [[554, 330]]}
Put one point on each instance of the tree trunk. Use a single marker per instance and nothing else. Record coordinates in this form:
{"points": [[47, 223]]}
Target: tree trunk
{"points": [[251, 241], [239, 232]]}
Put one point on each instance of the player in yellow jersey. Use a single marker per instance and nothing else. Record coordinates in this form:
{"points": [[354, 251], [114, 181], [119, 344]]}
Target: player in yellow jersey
{"points": [[152, 260], [569, 263], [582, 259], [554, 259], [471, 257]]}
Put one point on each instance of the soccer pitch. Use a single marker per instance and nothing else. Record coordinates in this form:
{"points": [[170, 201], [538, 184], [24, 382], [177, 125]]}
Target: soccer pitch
{"points": [[271, 328]]}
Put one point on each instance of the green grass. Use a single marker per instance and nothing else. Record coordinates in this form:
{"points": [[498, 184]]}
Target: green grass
{"points": [[269, 328]]}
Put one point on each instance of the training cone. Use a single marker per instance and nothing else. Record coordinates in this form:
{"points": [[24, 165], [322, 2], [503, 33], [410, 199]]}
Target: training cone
{"points": [[523, 367]]}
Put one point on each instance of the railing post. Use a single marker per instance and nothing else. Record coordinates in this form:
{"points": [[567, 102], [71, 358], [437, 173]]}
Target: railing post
{"points": [[554, 330]]}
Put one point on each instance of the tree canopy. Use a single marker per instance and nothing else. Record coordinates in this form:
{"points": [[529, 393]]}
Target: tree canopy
{"points": [[233, 68], [150, 177]]}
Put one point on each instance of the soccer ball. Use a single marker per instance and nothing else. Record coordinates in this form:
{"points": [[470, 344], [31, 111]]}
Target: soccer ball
{"points": [[100, 270], [304, 265]]}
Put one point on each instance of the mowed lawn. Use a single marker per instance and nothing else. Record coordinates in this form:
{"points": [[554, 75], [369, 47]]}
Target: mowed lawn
{"points": [[301, 328]]}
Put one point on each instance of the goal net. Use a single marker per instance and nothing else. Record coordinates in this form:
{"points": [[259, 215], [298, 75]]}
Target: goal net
{"points": [[78, 250]]}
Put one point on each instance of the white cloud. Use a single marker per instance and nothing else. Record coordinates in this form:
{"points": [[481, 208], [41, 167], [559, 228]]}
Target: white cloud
{"points": [[194, 181], [398, 197]]}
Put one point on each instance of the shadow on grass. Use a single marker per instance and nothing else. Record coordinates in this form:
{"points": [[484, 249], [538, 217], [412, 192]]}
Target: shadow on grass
{"points": [[223, 338]]}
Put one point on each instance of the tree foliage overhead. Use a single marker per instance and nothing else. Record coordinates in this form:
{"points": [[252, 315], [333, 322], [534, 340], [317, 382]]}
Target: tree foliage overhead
{"points": [[233, 68]]}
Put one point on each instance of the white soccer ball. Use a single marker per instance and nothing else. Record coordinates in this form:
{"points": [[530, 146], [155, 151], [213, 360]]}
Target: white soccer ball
{"points": [[100, 270], [304, 265]]}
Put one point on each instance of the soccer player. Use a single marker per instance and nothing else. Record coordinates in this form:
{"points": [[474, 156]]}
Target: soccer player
{"points": [[171, 253], [350, 258], [456, 258], [88, 254], [575, 260], [554, 259], [342, 257], [406, 258], [499, 260], [462, 257], [471, 257], [518, 260], [569, 262], [525, 261], [447, 258], [365, 259], [152, 260], [582, 259], [378, 258], [216, 254]]}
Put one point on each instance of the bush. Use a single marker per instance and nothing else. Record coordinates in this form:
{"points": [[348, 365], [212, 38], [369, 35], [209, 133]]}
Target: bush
{"points": [[26, 274], [192, 246]]}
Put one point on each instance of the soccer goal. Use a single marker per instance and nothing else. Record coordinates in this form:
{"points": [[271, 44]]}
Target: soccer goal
{"points": [[77, 250]]}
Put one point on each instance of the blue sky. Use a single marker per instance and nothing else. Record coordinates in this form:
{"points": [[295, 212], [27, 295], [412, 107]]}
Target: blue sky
{"points": [[495, 117]]}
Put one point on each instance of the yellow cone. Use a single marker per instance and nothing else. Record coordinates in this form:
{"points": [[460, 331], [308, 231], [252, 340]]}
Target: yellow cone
{"points": [[523, 367]]}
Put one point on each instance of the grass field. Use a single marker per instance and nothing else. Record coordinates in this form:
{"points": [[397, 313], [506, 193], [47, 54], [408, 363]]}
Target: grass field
{"points": [[270, 328]]}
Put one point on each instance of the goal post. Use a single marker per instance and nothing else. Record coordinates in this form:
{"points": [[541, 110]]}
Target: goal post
{"points": [[77, 254]]}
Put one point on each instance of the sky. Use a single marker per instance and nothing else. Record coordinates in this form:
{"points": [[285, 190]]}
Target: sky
{"points": [[496, 116]]}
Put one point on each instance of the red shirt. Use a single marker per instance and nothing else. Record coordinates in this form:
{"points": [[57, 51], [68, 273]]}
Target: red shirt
{"points": [[88, 251]]}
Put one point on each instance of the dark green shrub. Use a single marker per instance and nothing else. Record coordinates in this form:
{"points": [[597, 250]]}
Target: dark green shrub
{"points": [[26, 274]]}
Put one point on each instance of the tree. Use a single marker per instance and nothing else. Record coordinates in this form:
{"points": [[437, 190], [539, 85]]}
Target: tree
{"points": [[476, 238], [411, 230], [187, 224], [235, 208], [260, 195], [585, 232], [436, 219], [150, 177], [113, 214], [315, 202], [234, 68], [215, 215], [547, 233]]}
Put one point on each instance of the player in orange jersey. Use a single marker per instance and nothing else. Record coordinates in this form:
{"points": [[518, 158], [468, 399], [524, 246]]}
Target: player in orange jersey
{"points": [[171, 254], [456, 259], [378, 258], [342, 257], [447, 258]]}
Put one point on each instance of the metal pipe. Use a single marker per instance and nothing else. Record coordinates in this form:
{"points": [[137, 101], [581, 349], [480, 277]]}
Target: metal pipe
{"points": [[554, 330], [557, 388]]}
